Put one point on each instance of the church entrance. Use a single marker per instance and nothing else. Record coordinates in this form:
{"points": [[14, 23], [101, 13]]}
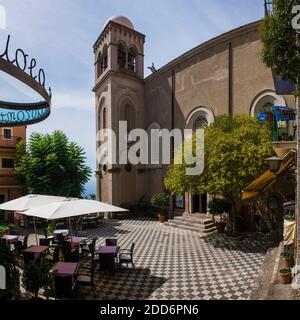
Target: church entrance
{"points": [[199, 204]]}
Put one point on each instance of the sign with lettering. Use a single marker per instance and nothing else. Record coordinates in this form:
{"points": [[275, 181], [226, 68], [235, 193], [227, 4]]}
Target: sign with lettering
{"points": [[24, 69]]}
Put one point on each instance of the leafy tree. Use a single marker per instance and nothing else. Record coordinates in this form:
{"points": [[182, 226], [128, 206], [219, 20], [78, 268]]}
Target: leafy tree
{"points": [[281, 50], [235, 149], [51, 164]]}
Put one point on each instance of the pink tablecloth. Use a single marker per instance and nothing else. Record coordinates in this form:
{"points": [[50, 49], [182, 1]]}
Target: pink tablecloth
{"points": [[64, 232], [37, 250], [66, 268], [75, 241], [108, 249]]}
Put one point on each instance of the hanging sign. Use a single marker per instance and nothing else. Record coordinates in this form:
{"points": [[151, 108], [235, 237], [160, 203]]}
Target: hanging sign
{"points": [[23, 68]]}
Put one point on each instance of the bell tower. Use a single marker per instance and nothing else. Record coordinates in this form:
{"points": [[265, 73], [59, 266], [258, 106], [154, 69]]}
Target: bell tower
{"points": [[119, 91]]}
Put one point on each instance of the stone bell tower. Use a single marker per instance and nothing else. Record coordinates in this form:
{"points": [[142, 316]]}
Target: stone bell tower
{"points": [[119, 91]]}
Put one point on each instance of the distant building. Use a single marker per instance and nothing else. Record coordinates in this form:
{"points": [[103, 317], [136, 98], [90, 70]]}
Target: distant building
{"points": [[224, 75], [10, 187]]}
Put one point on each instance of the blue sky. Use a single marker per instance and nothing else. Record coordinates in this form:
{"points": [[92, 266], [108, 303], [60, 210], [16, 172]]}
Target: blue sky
{"points": [[60, 35]]}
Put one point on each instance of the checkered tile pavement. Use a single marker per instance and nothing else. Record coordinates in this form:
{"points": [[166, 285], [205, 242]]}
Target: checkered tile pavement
{"points": [[175, 264]]}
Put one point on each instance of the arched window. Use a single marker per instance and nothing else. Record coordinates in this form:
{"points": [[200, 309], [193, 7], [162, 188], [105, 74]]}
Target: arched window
{"points": [[99, 65], [264, 100], [104, 118], [132, 59], [121, 56], [200, 118], [263, 103], [104, 59], [200, 123]]}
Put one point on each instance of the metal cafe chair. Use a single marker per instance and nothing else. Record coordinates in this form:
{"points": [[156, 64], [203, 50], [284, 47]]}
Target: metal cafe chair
{"points": [[126, 256], [111, 242], [84, 280]]}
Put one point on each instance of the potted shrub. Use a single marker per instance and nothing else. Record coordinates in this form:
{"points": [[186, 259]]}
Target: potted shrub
{"points": [[288, 258], [37, 276], [50, 228], [219, 207], [161, 201], [285, 276], [3, 231]]}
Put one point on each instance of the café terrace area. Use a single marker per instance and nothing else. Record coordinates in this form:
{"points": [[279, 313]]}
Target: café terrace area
{"points": [[131, 258]]}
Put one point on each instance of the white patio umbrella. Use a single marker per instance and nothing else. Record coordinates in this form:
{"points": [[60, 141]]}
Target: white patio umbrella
{"points": [[71, 207], [31, 201]]}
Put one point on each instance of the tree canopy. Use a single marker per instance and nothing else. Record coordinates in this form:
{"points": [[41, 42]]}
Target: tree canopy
{"points": [[280, 46], [51, 164], [235, 149]]}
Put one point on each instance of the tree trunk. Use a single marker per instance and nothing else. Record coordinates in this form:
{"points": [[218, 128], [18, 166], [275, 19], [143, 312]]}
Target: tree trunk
{"points": [[234, 212]]}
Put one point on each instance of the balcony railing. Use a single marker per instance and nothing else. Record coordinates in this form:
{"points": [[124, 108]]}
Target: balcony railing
{"points": [[9, 143]]}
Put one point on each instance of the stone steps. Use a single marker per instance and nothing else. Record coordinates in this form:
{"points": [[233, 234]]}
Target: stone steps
{"points": [[202, 225]]}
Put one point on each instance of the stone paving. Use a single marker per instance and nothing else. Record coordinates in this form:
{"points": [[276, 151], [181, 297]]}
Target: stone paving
{"points": [[177, 264]]}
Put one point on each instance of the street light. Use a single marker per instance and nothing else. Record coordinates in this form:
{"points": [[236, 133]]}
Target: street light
{"points": [[274, 164]]}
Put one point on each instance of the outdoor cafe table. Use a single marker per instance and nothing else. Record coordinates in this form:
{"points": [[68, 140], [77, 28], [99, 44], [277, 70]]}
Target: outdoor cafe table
{"points": [[75, 241], [108, 250], [36, 250], [63, 232], [11, 238], [65, 269], [107, 256]]}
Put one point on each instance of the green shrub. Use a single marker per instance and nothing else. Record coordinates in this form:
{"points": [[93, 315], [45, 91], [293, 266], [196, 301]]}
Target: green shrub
{"points": [[219, 206], [287, 255], [36, 276], [160, 200]]}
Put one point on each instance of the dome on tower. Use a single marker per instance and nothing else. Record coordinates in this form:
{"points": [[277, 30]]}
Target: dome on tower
{"points": [[120, 20]]}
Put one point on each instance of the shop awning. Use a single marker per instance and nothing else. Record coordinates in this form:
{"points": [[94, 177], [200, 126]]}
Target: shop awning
{"points": [[266, 180]]}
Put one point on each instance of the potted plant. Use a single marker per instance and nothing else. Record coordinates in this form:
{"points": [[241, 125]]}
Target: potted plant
{"points": [[288, 258], [3, 231], [37, 276], [51, 227], [161, 202], [219, 207], [285, 276]]}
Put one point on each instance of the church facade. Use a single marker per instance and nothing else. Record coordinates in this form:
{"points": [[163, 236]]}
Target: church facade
{"points": [[223, 76]]}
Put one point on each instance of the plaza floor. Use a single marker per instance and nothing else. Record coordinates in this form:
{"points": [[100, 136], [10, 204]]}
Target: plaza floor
{"points": [[177, 264]]}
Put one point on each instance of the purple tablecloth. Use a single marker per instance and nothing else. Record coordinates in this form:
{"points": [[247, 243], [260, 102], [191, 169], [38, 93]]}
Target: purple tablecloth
{"points": [[66, 268], [36, 250], [64, 232], [108, 249], [75, 241]]}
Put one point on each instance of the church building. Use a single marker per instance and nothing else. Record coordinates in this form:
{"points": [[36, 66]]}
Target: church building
{"points": [[223, 76]]}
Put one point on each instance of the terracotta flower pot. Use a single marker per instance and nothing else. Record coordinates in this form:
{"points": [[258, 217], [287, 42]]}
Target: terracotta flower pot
{"points": [[285, 276], [289, 263], [221, 227], [162, 219]]}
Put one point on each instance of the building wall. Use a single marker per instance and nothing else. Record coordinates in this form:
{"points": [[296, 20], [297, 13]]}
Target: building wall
{"points": [[203, 81], [222, 76], [10, 187]]}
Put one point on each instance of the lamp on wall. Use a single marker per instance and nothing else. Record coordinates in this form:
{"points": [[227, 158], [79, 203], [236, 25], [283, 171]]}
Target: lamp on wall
{"points": [[274, 164]]}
